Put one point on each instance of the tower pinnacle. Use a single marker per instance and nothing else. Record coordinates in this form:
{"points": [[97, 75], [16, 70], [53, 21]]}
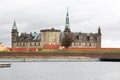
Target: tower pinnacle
{"points": [[67, 24], [14, 25], [99, 31]]}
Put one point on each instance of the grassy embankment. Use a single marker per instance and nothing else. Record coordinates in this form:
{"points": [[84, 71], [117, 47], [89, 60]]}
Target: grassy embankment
{"points": [[67, 51], [61, 54]]}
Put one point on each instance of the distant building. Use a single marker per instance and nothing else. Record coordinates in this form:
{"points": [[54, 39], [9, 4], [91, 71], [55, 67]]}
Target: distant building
{"points": [[3, 47], [53, 36]]}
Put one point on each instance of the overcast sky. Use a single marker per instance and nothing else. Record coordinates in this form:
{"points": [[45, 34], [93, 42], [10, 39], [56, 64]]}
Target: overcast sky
{"points": [[85, 16]]}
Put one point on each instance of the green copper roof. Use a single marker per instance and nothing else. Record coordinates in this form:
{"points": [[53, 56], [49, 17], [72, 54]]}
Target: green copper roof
{"points": [[14, 25], [67, 24]]}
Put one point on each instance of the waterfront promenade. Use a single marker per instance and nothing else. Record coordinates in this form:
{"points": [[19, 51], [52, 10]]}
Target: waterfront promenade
{"points": [[49, 60]]}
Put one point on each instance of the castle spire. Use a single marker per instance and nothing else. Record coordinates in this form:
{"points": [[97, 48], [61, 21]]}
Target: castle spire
{"points": [[67, 24], [99, 31], [14, 25]]}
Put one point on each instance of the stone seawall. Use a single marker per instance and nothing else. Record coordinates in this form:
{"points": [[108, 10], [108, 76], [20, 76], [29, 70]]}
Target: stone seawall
{"points": [[36, 56], [57, 55], [48, 55]]}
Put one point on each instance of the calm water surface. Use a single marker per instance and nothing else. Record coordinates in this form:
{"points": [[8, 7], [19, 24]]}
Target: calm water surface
{"points": [[61, 71]]}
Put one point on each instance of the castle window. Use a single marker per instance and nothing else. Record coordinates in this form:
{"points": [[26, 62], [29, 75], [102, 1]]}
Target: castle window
{"points": [[23, 44], [88, 38], [79, 44], [35, 44], [38, 44], [85, 44], [90, 44], [30, 44], [77, 37], [95, 38], [17, 44]]}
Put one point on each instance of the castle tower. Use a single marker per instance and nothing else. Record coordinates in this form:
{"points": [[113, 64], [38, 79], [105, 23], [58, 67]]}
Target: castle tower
{"points": [[67, 24], [14, 34], [99, 39], [50, 36]]}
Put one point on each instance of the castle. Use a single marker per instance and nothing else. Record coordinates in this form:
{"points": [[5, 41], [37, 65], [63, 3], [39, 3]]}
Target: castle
{"points": [[53, 36]]}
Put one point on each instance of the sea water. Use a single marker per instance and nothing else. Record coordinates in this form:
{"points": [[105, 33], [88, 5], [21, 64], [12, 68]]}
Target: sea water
{"points": [[61, 71]]}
